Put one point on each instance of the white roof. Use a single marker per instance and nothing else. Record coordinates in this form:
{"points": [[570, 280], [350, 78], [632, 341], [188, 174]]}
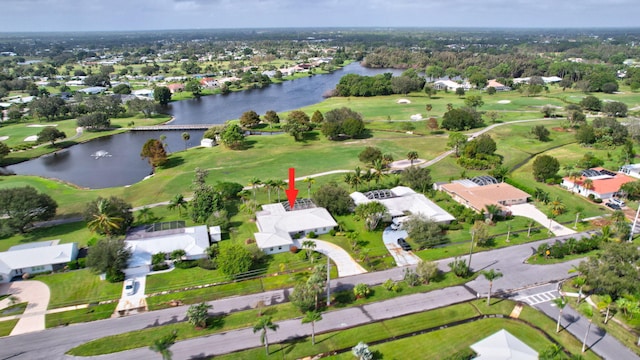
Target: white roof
{"points": [[38, 256], [275, 223], [34, 245], [194, 241], [407, 200], [503, 346], [448, 83]]}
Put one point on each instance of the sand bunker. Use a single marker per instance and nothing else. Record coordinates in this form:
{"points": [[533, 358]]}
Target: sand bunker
{"points": [[31, 138], [416, 117], [3, 138], [38, 125], [504, 101], [403, 101]]}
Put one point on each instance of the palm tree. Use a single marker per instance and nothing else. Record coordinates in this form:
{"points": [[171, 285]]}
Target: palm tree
{"points": [[178, 202], [357, 178], [348, 179], [185, 138], [264, 324], [412, 155], [579, 209], [387, 159], [254, 183], [104, 222], [557, 207], [588, 312], [163, 344], [588, 184], [312, 317], [560, 303], [378, 168], [280, 185], [309, 181], [145, 213], [605, 303], [492, 210], [269, 184], [309, 245], [579, 283], [490, 276]]}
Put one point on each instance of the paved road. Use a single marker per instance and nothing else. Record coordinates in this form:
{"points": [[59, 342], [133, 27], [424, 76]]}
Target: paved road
{"points": [[53, 343], [599, 341]]}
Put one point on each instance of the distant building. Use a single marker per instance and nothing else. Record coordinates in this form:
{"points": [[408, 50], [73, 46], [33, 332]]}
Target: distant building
{"points": [[175, 88], [94, 90], [599, 182], [34, 258], [631, 170], [496, 85]]}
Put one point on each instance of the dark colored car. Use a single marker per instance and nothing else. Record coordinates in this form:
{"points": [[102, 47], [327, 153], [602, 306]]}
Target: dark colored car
{"points": [[614, 206], [404, 244]]}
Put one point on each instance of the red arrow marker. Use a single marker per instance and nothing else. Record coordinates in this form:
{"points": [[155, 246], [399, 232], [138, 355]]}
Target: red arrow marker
{"points": [[292, 192]]}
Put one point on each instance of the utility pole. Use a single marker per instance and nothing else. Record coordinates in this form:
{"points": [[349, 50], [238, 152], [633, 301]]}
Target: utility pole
{"points": [[328, 281]]}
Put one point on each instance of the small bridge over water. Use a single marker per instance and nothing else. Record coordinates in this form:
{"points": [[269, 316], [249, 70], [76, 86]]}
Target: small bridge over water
{"points": [[172, 127]]}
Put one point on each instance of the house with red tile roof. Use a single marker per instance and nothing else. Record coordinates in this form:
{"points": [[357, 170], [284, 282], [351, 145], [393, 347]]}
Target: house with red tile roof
{"points": [[496, 85], [481, 191], [174, 88], [599, 182]]}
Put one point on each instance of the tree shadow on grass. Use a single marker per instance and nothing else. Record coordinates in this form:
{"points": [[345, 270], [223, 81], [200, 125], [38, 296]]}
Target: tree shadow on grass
{"points": [[173, 161], [343, 298], [215, 322], [289, 345]]}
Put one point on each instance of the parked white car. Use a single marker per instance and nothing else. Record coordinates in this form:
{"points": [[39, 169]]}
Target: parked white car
{"points": [[130, 286]]}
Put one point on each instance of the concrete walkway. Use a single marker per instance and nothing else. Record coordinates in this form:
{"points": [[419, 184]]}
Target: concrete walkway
{"points": [[347, 266], [37, 294], [390, 239], [531, 212]]}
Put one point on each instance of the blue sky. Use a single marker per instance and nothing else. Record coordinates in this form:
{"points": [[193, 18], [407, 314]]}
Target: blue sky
{"points": [[91, 15]]}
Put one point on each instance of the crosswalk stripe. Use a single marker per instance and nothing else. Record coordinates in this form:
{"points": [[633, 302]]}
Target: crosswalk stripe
{"points": [[539, 298]]}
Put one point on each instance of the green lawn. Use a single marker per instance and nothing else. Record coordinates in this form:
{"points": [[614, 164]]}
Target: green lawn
{"points": [[16, 309], [92, 313], [78, 287], [7, 326]]}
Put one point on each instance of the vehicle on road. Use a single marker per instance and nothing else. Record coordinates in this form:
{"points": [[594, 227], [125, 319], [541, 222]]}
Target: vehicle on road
{"points": [[404, 244], [130, 286]]}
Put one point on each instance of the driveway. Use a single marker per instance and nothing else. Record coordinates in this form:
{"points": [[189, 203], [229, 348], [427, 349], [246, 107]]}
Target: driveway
{"points": [[138, 299], [531, 212], [345, 263], [37, 294], [403, 258]]}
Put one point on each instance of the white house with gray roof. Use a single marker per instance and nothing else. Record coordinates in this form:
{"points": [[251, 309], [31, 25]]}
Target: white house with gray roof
{"points": [[35, 258], [278, 227], [193, 240], [402, 201]]}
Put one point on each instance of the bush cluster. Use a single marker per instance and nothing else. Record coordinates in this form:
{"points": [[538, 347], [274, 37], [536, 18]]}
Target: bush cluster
{"points": [[569, 247]]}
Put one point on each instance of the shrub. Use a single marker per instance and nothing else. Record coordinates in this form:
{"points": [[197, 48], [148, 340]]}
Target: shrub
{"points": [[437, 132], [591, 197], [158, 258], [460, 268], [332, 232], [597, 201], [72, 265], [294, 249], [411, 278], [160, 266], [361, 291], [207, 264], [82, 263], [186, 264], [312, 235]]}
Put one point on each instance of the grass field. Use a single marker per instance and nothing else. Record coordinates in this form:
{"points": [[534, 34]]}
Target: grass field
{"points": [[7, 326], [78, 287]]}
